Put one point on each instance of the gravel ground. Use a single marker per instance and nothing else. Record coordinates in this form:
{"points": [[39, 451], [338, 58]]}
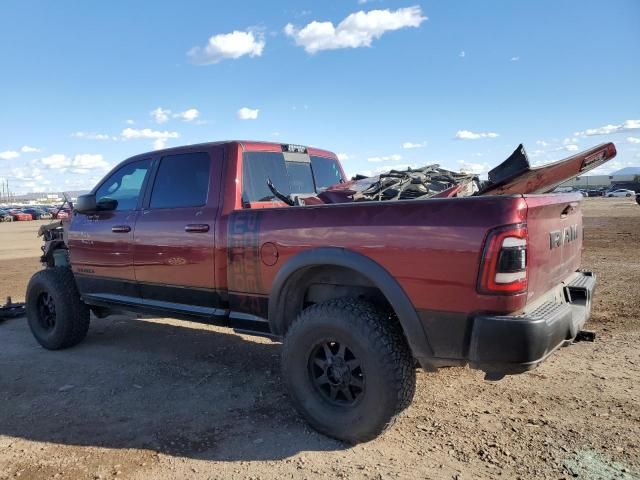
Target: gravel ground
{"points": [[165, 399]]}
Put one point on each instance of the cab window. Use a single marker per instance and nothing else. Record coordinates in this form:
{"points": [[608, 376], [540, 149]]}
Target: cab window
{"points": [[182, 181], [124, 185], [326, 172]]}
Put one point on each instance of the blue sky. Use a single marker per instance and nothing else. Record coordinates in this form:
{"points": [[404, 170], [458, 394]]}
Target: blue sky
{"points": [[84, 85]]}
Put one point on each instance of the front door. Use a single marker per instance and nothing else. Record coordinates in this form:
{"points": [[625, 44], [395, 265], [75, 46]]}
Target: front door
{"points": [[101, 242], [174, 236]]}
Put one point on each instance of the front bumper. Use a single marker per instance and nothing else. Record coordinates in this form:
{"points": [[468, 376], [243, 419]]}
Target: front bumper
{"points": [[513, 344]]}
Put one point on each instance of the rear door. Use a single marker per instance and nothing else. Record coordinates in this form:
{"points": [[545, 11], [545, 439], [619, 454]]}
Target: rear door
{"points": [[554, 224], [174, 236], [101, 242]]}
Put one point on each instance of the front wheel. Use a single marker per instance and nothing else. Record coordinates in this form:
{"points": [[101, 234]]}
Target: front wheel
{"points": [[348, 369], [57, 317]]}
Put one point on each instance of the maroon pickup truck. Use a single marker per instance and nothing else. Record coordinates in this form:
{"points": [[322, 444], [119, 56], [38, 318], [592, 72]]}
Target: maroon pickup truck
{"points": [[360, 293]]}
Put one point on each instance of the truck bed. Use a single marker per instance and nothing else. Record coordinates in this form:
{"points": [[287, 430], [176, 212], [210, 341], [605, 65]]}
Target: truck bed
{"points": [[432, 247]]}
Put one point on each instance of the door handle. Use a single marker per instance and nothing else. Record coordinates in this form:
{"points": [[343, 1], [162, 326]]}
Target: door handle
{"points": [[196, 228], [121, 229]]}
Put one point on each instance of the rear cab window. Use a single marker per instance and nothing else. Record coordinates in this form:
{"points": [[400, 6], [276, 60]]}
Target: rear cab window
{"points": [[291, 173]]}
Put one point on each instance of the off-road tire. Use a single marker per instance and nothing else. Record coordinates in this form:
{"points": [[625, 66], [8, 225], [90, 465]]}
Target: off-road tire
{"points": [[71, 316], [388, 368]]}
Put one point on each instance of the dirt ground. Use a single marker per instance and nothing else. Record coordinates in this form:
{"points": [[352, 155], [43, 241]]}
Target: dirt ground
{"points": [[161, 399]]}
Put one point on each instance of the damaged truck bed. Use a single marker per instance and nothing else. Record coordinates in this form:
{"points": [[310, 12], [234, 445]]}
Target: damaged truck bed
{"points": [[513, 176]]}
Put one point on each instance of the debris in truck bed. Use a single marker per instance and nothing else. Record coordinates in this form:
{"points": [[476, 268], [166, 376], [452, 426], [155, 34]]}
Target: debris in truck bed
{"points": [[412, 184], [513, 176]]}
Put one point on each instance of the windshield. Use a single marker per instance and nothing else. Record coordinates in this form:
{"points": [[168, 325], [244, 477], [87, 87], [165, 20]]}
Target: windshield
{"points": [[306, 175]]}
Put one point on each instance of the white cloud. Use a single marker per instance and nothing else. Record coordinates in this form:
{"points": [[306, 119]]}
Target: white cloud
{"points": [[247, 113], [160, 115], [85, 162], [611, 167], [188, 115], [159, 137], [132, 133], [462, 54], [626, 126], [9, 155], [515, 59], [33, 174], [91, 135], [468, 135], [395, 157], [228, 46], [358, 29], [633, 139], [570, 140], [343, 156], [81, 163], [475, 168], [57, 161], [571, 148], [28, 149], [542, 143], [410, 145], [129, 122]]}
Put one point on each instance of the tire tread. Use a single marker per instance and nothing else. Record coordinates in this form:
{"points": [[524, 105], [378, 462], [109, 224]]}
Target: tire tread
{"points": [[384, 334], [60, 280]]}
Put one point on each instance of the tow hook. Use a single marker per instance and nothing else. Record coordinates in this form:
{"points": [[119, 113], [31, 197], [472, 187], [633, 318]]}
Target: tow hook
{"points": [[585, 336]]}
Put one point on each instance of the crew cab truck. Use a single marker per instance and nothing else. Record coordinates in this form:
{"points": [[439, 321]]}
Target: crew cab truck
{"points": [[359, 293]]}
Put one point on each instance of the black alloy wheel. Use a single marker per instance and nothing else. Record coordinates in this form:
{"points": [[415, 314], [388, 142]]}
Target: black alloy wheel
{"points": [[336, 373]]}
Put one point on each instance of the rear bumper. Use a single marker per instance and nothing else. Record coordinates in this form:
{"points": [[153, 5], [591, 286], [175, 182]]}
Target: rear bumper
{"points": [[509, 344], [514, 344]]}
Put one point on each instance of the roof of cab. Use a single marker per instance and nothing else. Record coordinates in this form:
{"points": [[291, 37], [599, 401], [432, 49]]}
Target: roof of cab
{"points": [[245, 144]]}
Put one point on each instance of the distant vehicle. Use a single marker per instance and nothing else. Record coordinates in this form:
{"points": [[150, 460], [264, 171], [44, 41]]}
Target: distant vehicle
{"points": [[61, 215], [595, 193], [621, 192], [57, 213], [584, 193], [5, 216], [38, 214], [638, 198], [21, 216]]}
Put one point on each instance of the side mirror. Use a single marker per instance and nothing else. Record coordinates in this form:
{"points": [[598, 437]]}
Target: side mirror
{"points": [[86, 203], [107, 204]]}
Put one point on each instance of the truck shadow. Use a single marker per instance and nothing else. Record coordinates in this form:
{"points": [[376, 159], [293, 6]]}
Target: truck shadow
{"points": [[172, 388]]}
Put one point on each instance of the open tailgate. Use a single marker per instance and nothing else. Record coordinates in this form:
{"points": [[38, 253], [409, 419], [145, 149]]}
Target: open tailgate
{"points": [[514, 175]]}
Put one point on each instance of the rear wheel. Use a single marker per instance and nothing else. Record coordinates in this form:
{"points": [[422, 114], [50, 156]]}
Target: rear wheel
{"points": [[348, 369], [56, 315]]}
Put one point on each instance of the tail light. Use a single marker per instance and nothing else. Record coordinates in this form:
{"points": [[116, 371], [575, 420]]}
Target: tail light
{"points": [[504, 268]]}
